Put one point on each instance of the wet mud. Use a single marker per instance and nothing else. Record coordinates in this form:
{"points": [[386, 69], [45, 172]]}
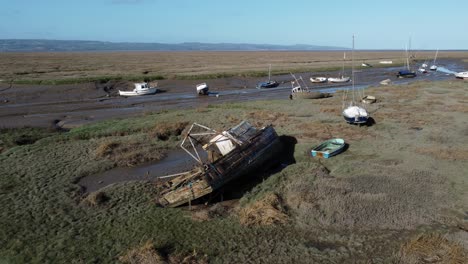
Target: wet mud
{"points": [[75, 105]]}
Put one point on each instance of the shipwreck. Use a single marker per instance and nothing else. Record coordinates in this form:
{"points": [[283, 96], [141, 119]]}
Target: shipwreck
{"points": [[230, 154]]}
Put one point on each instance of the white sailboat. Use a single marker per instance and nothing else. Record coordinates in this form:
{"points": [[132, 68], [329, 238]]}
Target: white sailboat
{"points": [[354, 113], [342, 78], [434, 66]]}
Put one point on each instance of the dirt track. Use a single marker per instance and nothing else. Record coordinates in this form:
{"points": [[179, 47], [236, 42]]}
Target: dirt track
{"points": [[74, 105]]}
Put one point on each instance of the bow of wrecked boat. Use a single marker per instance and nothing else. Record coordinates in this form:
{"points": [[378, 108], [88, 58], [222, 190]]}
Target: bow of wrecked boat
{"points": [[233, 153]]}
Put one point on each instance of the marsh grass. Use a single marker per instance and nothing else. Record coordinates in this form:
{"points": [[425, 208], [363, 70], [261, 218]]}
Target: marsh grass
{"points": [[11, 137], [432, 248], [356, 209]]}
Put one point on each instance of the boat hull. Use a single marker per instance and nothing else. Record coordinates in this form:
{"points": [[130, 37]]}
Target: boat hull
{"points": [[406, 74], [339, 80], [355, 115], [138, 92], [202, 88], [241, 161], [368, 99], [328, 148], [462, 75], [265, 85], [318, 80]]}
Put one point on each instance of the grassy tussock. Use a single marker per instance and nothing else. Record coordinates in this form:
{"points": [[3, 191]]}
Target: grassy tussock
{"points": [[124, 152], [432, 248], [262, 117], [165, 130], [95, 199], [146, 254], [267, 211], [149, 254]]}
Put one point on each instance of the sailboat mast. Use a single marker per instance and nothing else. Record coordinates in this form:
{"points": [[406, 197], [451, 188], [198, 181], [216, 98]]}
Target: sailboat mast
{"points": [[435, 58], [269, 73], [352, 68]]}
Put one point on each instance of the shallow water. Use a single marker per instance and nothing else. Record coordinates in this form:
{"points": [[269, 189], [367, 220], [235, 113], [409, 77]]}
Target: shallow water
{"points": [[176, 161]]}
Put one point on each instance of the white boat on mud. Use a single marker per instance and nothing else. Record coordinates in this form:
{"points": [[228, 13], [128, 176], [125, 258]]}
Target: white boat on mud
{"points": [[386, 82], [318, 79], [342, 78], [355, 112], [462, 75], [202, 88], [140, 89], [386, 62]]}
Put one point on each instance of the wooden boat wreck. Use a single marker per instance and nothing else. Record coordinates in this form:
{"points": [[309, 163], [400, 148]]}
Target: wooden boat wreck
{"points": [[298, 92], [231, 154]]}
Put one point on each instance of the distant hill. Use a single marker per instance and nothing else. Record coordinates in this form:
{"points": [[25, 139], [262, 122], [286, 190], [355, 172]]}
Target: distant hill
{"points": [[42, 45]]}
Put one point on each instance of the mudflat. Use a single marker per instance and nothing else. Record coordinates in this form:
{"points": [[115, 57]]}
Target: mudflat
{"points": [[43, 89]]}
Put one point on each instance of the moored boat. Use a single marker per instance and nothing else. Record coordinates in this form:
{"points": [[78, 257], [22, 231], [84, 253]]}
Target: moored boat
{"points": [[434, 66], [341, 79], [328, 148], [269, 83], [140, 89], [355, 115], [369, 99], [406, 74], [318, 79], [462, 75], [422, 70], [386, 82], [202, 88]]}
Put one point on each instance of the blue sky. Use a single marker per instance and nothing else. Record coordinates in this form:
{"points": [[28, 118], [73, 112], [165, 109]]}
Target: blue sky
{"points": [[376, 24]]}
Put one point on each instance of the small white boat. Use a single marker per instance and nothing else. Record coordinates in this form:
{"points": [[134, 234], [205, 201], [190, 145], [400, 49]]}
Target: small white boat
{"points": [[341, 79], [202, 88], [386, 62], [386, 82], [462, 75], [424, 65], [140, 89], [422, 70], [366, 65], [318, 79], [369, 99]]}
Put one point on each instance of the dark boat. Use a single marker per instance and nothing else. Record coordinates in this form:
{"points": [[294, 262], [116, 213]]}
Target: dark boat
{"points": [[269, 83], [406, 74], [231, 154]]}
